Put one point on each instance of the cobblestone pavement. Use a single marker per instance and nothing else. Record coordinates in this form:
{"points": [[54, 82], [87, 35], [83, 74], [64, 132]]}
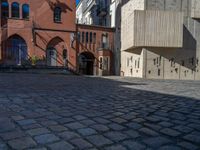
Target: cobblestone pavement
{"points": [[70, 112]]}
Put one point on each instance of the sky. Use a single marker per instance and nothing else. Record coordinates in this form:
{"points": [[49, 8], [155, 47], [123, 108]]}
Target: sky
{"points": [[77, 1]]}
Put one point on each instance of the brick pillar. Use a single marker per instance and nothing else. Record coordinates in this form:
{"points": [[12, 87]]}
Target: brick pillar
{"points": [[0, 52]]}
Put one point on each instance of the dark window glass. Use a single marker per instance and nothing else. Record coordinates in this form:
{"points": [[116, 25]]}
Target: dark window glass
{"points": [[139, 63], [57, 14], [64, 54], [15, 10], [4, 9], [25, 11], [94, 38], [90, 37], [183, 63], [79, 36], [101, 63], [158, 72], [86, 37], [154, 61], [83, 37]]}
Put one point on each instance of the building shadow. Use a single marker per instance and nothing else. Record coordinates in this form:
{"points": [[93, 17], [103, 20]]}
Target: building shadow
{"points": [[59, 3], [101, 99]]}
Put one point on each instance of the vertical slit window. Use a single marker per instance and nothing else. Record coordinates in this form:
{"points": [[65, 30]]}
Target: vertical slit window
{"points": [[87, 38], [83, 37], [90, 37], [94, 38]]}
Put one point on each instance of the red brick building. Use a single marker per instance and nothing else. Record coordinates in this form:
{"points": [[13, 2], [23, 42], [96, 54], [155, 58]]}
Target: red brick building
{"points": [[43, 32], [95, 47]]}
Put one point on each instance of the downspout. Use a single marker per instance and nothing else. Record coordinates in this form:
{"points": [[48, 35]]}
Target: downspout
{"points": [[145, 63], [77, 48]]}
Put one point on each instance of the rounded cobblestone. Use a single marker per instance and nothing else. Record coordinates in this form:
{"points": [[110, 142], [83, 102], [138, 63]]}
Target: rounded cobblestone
{"points": [[39, 111]]}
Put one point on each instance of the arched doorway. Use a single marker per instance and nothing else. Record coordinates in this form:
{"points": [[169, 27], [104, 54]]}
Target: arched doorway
{"points": [[16, 50], [54, 52], [86, 63]]}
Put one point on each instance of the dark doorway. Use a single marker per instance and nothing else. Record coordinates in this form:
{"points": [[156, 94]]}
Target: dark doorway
{"points": [[86, 63]]}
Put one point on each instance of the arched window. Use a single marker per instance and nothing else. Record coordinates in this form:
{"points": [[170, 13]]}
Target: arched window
{"points": [[57, 14], [15, 10], [4, 9], [25, 11]]}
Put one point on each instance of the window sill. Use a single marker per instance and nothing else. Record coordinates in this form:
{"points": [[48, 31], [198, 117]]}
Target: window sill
{"points": [[58, 22], [26, 19], [13, 18]]}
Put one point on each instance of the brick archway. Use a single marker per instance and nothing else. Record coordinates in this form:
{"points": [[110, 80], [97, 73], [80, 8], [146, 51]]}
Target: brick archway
{"points": [[54, 51], [86, 63], [15, 50]]}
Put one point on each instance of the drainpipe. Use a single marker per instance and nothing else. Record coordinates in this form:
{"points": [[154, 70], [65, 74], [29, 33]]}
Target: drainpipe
{"points": [[20, 52], [145, 62], [77, 48], [163, 68]]}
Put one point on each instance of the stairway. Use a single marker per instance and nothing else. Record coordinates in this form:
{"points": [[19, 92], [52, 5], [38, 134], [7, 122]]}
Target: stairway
{"points": [[36, 70]]}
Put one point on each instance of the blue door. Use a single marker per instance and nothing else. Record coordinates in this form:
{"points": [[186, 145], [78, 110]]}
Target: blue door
{"points": [[16, 51]]}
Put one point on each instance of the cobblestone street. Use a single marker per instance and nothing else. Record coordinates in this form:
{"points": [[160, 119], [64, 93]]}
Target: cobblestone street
{"points": [[40, 111]]}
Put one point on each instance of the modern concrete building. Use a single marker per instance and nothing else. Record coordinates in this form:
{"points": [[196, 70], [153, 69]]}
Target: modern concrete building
{"points": [[93, 12], [161, 39], [115, 13]]}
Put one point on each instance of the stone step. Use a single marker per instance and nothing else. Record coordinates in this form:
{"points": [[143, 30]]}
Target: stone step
{"points": [[39, 70]]}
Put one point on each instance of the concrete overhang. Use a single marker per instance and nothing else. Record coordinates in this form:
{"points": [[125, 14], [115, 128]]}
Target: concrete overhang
{"points": [[152, 28]]}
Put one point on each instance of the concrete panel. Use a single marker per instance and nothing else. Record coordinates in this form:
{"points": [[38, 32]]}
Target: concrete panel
{"points": [[160, 4], [152, 29], [151, 5], [127, 21], [155, 4], [186, 7], [173, 5], [195, 9]]}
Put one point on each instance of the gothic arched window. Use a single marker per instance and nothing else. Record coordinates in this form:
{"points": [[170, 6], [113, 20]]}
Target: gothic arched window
{"points": [[15, 10], [25, 11], [4, 9]]}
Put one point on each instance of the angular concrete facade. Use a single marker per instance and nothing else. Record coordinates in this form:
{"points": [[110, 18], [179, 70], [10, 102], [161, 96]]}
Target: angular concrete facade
{"points": [[149, 28], [162, 40]]}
